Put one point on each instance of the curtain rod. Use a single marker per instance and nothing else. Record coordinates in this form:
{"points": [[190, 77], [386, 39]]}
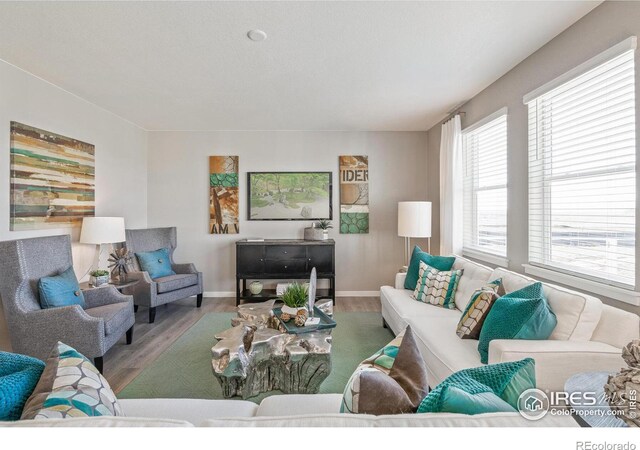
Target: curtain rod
{"points": [[451, 116]]}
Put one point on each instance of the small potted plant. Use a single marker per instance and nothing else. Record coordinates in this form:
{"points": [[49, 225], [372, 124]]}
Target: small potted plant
{"points": [[295, 304], [99, 277], [325, 226]]}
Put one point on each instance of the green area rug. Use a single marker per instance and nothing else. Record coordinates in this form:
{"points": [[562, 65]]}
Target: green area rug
{"points": [[184, 369]]}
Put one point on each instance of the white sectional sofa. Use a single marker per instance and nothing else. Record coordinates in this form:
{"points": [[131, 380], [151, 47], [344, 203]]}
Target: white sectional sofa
{"points": [[589, 335], [319, 410]]}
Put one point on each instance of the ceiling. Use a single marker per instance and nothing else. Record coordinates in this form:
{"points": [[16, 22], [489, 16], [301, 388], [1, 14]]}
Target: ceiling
{"points": [[325, 65]]}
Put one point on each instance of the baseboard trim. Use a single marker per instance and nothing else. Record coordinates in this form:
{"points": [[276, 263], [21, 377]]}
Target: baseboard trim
{"points": [[219, 294]]}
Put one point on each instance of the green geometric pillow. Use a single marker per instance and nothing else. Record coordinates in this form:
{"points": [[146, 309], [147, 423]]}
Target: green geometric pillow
{"points": [[19, 375], [70, 386], [522, 314], [442, 263], [492, 388], [437, 287]]}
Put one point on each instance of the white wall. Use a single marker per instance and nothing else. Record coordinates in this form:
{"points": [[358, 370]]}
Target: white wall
{"points": [[121, 151], [179, 195], [605, 26]]}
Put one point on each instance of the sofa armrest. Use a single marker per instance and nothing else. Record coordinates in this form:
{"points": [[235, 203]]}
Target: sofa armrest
{"points": [[400, 277], [104, 295], [184, 268], [556, 361]]}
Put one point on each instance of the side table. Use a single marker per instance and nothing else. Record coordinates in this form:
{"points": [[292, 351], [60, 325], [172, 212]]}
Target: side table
{"points": [[596, 415], [119, 286]]}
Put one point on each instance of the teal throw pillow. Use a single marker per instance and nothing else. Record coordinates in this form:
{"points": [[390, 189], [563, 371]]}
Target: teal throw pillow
{"points": [[485, 389], [60, 290], [156, 263], [441, 263], [19, 375], [521, 314]]}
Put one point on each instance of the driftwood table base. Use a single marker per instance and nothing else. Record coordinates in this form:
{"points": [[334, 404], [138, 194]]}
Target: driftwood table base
{"points": [[254, 356]]}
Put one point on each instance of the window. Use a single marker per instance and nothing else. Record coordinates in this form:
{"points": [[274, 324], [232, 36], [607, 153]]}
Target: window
{"points": [[484, 149], [582, 179]]}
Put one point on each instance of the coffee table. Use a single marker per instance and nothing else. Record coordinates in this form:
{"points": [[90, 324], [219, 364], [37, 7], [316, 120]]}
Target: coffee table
{"points": [[256, 355]]}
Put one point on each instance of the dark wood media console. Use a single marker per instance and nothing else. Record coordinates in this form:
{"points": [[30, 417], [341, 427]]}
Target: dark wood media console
{"points": [[274, 259]]}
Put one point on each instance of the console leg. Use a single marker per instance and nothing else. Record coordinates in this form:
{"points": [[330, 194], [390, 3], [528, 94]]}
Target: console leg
{"points": [[152, 315], [99, 363], [130, 335], [199, 300]]}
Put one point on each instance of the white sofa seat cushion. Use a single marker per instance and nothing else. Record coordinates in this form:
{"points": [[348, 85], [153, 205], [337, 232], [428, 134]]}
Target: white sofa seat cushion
{"points": [[578, 314], [556, 361], [99, 421], [300, 404], [187, 409], [398, 306], [474, 277], [397, 420], [443, 351]]}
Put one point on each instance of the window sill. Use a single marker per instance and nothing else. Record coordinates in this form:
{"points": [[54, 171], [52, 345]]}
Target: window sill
{"points": [[486, 257], [623, 295]]}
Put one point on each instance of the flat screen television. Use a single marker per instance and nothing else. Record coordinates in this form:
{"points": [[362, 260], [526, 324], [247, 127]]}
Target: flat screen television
{"points": [[290, 195]]}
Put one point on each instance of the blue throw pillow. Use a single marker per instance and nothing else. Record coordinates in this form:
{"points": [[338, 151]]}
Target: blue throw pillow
{"points": [[485, 389], [157, 263], [60, 290], [19, 375], [441, 263], [521, 314]]}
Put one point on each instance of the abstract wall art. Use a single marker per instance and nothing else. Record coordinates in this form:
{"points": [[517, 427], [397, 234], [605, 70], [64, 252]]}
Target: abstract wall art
{"points": [[223, 195], [290, 195], [354, 194], [52, 179]]}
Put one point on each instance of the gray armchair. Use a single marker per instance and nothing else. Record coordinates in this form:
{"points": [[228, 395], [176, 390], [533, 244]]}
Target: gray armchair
{"points": [[34, 331], [155, 292]]}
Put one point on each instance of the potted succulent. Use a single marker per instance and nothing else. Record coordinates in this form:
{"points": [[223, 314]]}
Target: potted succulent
{"points": [[295, 304], [325, 226], [98, 277]]}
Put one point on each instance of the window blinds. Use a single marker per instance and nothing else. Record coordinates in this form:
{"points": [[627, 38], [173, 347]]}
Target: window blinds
{"points": [[485, 186], [582, 181]]}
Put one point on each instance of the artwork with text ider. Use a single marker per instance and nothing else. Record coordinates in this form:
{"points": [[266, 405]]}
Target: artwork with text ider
{"points": [[223, 195], [354, 194]]}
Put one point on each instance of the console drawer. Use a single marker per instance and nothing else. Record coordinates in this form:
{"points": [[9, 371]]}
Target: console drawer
{"points": [[280, 252], [290, 266]]}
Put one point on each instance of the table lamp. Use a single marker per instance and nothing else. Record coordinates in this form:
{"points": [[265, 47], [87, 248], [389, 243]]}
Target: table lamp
{"points": [[414, 221], [101, 230]]}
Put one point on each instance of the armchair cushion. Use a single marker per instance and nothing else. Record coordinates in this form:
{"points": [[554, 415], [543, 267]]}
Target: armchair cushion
{"points": [[156, 263], [60, 290], [70, 386], [114, 315], [174, 282]]}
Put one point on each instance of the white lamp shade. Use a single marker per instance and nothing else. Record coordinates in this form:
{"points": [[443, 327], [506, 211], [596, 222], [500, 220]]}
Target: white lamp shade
{"points": [[414, 219], [102, 230]]}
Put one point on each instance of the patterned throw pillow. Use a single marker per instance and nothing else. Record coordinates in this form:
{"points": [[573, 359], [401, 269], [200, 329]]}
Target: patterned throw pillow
{"points": [[70, 386], [485, 389], [19, 375], [436, 287], [521, 314], [417, 256], [392, 381], [478, 308]]}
